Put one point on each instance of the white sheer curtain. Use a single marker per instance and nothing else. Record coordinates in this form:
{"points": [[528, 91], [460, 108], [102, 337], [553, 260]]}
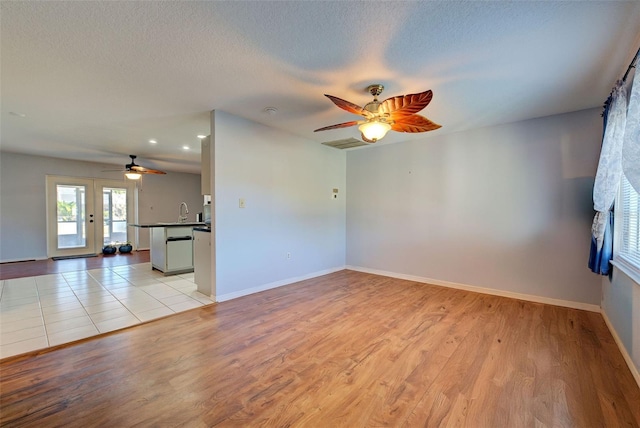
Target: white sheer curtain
{"points": [[607, 181], [631, 145], [610, 164]]}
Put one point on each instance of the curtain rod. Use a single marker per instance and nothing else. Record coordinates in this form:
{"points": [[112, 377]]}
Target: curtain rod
{"points": [[624, 79], [632, 65]]}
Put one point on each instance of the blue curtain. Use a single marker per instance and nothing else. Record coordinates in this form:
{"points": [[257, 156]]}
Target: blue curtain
{"points": [[599, 260]]}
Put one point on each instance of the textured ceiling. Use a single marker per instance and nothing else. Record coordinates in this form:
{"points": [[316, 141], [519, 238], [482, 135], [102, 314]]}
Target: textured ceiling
{"points": [[96, 80]]}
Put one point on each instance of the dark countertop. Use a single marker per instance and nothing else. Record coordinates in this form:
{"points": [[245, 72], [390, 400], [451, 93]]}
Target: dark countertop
{"points": [[187, 224], [202, 229]]}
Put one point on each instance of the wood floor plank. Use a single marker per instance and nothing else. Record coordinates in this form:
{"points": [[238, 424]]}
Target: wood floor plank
{"points": [[460, 371], [344, 350]]}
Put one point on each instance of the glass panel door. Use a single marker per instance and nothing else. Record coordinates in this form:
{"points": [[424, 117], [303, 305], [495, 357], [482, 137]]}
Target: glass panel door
{"points": [[72, 227], [114, 215], [115, 210], [70, 216]]}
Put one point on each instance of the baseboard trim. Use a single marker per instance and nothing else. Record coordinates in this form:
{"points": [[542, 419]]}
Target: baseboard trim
{"points": [[476, 289], [22, 260], [275, 284], [623, 350]]}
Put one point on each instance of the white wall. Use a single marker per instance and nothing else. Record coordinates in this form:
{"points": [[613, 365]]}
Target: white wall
{"points": [[286, 183], [507, 207], [22, 199], [159, 198], [621, 307]]}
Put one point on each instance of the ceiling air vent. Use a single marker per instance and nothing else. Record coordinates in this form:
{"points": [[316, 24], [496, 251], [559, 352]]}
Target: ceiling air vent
{"points": [[345, 144]]}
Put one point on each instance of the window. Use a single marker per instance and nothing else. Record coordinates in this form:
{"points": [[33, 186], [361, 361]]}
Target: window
{"points": [[628, 229]]}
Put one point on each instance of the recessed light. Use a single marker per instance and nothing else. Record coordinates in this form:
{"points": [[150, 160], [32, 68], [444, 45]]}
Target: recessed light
{"points": [[153, 141], [271, 111], [13, 113], [185, 147], [202, 137]]}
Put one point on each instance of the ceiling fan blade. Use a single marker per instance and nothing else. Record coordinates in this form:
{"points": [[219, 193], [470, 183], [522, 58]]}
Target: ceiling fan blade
{"points": [[414, 123], [143, 170], [348, 106], [339, 125], [405, 105]]}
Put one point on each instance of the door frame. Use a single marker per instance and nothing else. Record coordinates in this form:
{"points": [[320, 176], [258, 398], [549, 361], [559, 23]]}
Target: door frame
{"points": [[93, 199]]}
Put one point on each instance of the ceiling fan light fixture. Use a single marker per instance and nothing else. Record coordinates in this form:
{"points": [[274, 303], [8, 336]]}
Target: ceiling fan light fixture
{"points": [[133, 175], [395, 113], [374, 130]]}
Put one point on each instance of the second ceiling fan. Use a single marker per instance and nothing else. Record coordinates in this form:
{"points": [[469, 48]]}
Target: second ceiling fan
{"points": [[140, 169], [133, 171], [395, 114]]}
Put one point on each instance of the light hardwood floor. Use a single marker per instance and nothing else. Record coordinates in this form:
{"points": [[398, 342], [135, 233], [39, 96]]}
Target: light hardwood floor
{"points": [[344, 350]]}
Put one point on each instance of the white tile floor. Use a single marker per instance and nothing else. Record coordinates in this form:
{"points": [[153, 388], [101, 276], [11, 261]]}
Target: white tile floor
{"points": [[48, 310]]}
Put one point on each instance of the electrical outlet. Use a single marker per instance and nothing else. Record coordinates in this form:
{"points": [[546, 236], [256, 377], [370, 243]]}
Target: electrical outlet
{"points": [[241, 203], [288, 256]]}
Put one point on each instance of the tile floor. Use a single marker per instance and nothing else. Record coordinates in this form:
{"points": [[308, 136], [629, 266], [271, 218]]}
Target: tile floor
{"points": [[42, 311]]}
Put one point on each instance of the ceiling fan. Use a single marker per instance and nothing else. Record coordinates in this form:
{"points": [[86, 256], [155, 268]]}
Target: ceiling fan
{"points": [[133, 171], [395, 113]]}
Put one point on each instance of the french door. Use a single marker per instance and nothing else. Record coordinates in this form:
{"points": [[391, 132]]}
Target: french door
{"points": [[84, 214]]}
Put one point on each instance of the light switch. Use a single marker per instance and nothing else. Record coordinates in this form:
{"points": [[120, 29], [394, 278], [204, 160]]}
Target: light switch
{"points": [[241, 202]]}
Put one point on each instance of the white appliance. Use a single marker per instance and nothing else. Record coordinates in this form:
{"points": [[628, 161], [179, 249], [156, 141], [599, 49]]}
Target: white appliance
{"points": [[172, 249], [206, 211]]}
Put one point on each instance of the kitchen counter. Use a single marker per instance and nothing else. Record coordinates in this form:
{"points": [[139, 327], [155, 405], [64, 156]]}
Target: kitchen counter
{"points": [[202, 229], [187, 224], [171, 246]]}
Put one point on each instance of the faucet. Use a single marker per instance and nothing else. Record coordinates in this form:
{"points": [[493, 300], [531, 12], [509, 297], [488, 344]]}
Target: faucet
{"points": [[182, 218]]}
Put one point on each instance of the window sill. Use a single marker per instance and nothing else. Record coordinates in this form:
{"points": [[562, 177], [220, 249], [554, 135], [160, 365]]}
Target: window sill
{"points": [[628, 269]]}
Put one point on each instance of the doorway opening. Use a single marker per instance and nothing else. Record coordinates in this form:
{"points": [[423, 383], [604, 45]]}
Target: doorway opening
{"points": [[84, 214]]}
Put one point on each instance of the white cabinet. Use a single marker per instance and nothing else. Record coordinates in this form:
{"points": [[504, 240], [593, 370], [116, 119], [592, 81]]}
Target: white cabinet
{"points": [[202, 263], [205, 160], [172, 249]]}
